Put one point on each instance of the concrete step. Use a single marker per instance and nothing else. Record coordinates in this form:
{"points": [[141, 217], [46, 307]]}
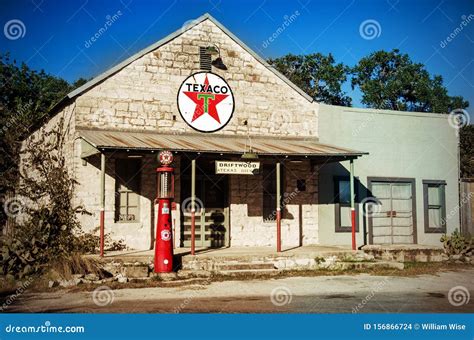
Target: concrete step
{"points": [[249, 272], [370, 265], [244, 266]]}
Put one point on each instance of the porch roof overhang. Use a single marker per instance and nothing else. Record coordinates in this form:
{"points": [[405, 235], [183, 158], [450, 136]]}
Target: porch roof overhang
{"points": [[207, 143]]}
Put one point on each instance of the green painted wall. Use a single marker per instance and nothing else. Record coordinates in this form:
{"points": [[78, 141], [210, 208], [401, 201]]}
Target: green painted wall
{"points": [[400, 144]]}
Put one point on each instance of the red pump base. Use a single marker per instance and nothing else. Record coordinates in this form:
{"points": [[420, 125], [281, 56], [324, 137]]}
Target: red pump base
{"points": [[164, 238]]}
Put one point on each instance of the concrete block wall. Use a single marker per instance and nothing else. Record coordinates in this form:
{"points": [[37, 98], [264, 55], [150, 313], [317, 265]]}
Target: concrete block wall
{"points": [[415, 145]]}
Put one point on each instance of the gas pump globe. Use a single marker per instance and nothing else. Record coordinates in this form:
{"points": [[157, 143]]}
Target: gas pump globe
{"points": [[165, 193]]}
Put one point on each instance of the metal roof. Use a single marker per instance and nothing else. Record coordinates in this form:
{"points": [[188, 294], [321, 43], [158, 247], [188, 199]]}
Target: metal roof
{"points": [[206, 143]]}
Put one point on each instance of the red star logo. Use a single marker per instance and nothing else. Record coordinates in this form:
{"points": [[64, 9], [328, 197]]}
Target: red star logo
{"points": [[206, 102]]}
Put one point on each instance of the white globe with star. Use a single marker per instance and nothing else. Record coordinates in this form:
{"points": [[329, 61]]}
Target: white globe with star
{"points": [[205, 102]]}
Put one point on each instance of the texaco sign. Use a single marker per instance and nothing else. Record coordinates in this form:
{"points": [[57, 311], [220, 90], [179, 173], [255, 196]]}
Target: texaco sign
{"points": [[206, 102]]}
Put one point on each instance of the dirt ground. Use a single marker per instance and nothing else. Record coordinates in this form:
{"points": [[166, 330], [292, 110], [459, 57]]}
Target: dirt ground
{"points": [[430, 292]]}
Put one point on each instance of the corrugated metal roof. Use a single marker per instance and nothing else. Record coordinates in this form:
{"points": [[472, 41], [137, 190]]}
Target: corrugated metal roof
{"points": [[206, 143]]}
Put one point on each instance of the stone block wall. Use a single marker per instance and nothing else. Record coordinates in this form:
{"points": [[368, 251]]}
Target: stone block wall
{"points": [[142, 96], [299, 213], [139, 234]]}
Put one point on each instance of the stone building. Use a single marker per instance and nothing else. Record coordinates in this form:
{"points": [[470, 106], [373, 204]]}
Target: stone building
{"points": [[118, 122]]}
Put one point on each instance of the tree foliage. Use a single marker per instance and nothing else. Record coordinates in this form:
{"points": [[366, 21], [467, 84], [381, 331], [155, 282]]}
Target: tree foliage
{"points": [[391, 80], [317, 75], [467, 151], [45, 221], [26, 96]]}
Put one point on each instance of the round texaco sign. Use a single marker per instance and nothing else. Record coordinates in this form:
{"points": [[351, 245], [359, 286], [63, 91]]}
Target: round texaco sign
{"points": [[206, 102], [166, 157]]}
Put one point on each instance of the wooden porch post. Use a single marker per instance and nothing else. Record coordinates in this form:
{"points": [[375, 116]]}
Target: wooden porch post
{"points": [[353, 214], [102, 202], [278, 207], [193, 205]]}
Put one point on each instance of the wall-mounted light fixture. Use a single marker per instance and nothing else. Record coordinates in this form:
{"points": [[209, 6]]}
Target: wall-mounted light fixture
{"points": [[217, 63]]}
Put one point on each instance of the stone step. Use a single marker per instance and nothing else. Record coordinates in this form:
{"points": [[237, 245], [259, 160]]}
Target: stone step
{"points": [[369, 265], [223, 266], [251, 272]]}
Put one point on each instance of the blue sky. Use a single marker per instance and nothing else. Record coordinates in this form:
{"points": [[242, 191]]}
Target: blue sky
{"points": [[53, 34]]}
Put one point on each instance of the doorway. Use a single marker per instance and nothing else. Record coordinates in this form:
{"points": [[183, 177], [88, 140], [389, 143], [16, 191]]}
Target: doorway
{"points": [[212, 205], [393, 220]]}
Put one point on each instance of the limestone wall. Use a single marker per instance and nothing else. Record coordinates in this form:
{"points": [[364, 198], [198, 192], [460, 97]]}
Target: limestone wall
{"points": [[299, 214], [143, 95]]}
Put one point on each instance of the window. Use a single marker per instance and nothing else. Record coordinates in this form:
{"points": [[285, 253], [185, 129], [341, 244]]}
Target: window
{"points": [[435, 206], [269, 191], [127, 179], [342, 203], [204, 59]]}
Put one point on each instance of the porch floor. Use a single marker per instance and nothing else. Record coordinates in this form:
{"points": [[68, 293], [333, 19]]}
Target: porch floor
{"points": [[231, 251]]}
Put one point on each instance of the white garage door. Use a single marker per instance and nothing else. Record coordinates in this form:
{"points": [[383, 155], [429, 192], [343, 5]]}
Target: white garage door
{"points": [[393, 219]]}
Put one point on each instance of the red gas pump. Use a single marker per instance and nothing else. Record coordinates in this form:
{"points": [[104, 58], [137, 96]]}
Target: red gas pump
{"points": [[164, 236]]}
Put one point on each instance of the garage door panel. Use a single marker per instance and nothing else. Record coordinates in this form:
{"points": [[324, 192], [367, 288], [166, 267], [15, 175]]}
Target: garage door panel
{"points": [[393, 220], [402, 231], [402, 205], [381, 221], [381, 190], [383, 231], [402, 222], [403, 239], [401, 190], [382, 239]]}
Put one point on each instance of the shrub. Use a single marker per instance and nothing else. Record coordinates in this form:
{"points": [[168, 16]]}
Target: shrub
{"points": [[457, 244]]}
